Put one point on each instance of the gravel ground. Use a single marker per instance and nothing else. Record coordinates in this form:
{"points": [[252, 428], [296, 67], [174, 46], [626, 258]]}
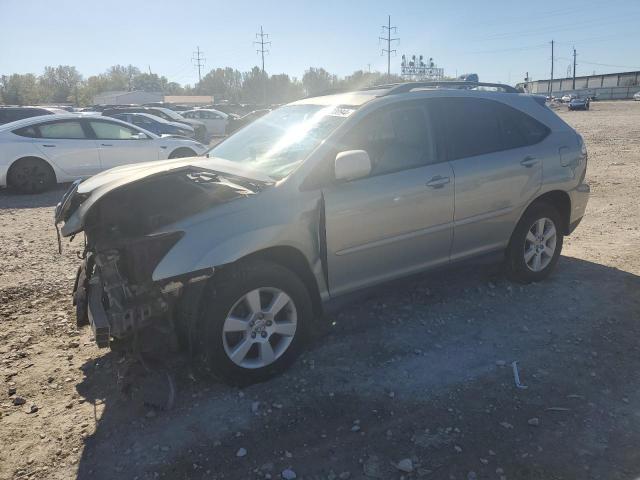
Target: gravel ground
{"points": [[414, 380]]}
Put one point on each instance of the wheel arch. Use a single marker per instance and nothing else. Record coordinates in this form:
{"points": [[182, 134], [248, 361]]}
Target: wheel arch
{"points": [[35, 157], [294, 260], [191, 152], [558, 199]]}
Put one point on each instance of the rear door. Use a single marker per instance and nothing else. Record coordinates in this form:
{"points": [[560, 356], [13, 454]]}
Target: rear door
{"points": [[497, 162], [120, 144], [67, 145], [398, 219]]}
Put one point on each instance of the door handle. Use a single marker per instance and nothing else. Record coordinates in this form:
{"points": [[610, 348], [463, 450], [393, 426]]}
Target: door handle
{"points": [[106, 144], [529, 161], [438, 182], [48, 145]]}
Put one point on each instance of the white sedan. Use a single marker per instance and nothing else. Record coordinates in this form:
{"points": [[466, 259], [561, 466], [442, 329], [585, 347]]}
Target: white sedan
{"points": [[215, 120], [38, 152]]}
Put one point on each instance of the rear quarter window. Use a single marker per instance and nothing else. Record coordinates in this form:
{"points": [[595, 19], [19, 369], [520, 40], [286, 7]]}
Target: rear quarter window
{"points": [[30, 132]]}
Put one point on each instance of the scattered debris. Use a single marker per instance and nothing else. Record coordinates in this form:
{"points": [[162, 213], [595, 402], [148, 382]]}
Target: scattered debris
{"points": [[405, 465], [241, 452], [18, 401], [516, 376], [288, 474], [534, 422]]}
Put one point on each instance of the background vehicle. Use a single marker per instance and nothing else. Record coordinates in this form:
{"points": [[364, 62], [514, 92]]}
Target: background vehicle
{"points": [[636, 96], [247, 244], [165, 114], [567, 98], [579, 104], [38, 152], [215, 121], [11, 114], [239, 122], [155, 124]]}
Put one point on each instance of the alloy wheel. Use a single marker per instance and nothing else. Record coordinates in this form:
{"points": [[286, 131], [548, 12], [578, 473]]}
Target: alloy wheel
{"points": [[540, 244], [259, 327]]}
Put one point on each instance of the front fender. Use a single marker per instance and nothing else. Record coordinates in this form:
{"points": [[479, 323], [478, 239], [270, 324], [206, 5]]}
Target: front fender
{"points": [[214, 242]]}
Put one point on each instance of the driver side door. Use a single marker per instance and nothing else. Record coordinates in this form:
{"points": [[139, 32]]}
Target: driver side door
{"points": [[399, 218]]}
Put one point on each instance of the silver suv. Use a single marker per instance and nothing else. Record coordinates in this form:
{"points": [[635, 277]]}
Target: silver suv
{"points": [[238, 251]]}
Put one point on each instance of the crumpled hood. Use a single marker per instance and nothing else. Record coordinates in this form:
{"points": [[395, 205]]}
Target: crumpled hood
{"points": [[77, 202], [119, 176]]}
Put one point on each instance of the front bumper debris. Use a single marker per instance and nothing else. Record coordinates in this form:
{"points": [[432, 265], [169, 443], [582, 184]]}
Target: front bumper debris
{"points": [[97, 314]]}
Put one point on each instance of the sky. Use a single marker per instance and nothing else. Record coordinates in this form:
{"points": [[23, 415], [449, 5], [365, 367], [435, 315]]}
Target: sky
{"points": [[500, 40]]}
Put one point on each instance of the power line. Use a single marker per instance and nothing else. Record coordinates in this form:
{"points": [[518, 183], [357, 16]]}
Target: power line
{"points": [[199, 62], [551, 82], [261, 36], [574, 69], [388, 39]]}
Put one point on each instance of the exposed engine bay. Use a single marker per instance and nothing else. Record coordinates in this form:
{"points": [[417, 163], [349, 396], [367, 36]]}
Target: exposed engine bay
{"points": [[114, 290]]}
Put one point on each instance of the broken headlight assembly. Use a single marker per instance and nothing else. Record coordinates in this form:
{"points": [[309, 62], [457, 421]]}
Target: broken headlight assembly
{"points": [[139, 257]]}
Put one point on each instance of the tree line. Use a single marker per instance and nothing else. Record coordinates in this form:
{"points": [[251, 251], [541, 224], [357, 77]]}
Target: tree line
{"points": [[64, 84]]}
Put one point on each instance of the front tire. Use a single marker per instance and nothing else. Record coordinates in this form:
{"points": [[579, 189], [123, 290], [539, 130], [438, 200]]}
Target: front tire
{"points": [[253, 321], [30, 175], [535, 244]]}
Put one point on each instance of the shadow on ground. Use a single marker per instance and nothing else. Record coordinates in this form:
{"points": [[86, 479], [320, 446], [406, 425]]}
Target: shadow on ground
{"points": [[419, 370], [12, 200]]}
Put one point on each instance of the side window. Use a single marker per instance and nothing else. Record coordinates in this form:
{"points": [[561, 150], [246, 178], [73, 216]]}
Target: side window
{"points": [[69, 129], [518, 128], [113, 131], [396, 138], [471, 127], [29, 131]]}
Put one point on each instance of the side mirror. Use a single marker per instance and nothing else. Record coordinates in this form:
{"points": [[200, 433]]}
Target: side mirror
{"points": [[140, 136], [352, 164]]}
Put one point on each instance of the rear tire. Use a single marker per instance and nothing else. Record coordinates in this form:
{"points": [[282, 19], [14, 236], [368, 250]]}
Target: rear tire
{"points": [[253, 322], [535, 244], [30, 175], [182, 153]]}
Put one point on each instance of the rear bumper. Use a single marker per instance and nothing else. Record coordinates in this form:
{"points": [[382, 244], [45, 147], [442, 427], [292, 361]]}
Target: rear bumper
{"points": [[579, 199]]}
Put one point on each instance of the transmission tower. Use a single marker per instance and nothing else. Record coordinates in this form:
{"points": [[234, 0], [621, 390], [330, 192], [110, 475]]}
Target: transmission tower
{"points": [[262, 50], [198, 60], [388, 29]]}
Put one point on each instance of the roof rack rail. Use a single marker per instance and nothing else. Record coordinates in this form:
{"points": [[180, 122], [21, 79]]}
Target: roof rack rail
{"points": [[408, 86]]}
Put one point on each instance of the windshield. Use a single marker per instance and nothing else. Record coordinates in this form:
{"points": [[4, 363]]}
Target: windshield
{"points": [[171, 115], [276, 143]]}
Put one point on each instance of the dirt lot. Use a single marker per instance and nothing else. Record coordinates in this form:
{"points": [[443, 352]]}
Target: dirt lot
{"points": [[417, 375]]}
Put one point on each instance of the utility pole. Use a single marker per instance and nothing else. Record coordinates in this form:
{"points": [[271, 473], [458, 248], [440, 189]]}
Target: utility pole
{"points": [[551, 82], [574, 69], [198, 60], [388, 28], [261, 36]]}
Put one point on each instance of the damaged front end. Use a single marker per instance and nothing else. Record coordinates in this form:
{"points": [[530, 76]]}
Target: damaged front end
{"points": [[123, 225]]}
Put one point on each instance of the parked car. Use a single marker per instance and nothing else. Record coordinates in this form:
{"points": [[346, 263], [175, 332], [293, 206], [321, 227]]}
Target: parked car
{"points": [[38, 152], [165, 114], [567, 98], [155, 124], [579, 104], [215, 121], [11, 114], [241, 250], [636, 96], [239, 122]]}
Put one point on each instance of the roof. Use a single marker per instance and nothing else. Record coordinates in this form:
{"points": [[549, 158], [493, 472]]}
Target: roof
{"points": [[66, 116], [360, 97], [355, 98]]}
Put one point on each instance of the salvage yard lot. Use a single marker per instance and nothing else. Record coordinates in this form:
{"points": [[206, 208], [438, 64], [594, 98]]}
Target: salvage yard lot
{"points": [[415, 376]]}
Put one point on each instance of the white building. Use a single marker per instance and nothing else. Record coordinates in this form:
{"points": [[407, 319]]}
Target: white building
{"points": [[127, 98]]}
